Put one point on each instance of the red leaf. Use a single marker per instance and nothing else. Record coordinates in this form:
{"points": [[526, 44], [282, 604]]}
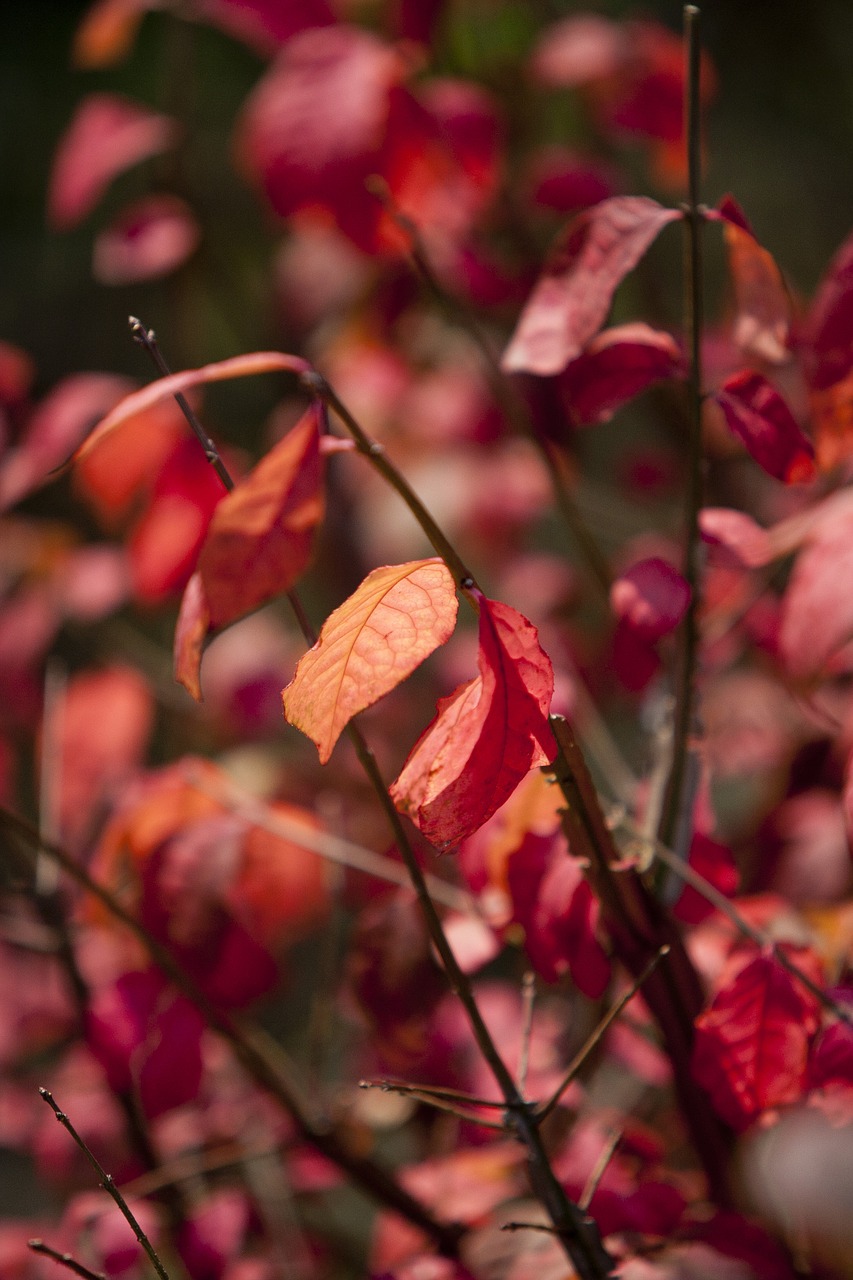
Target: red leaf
{"points": [[757, 415], [247, 366], [369, 645], [616, 366], [828, 336], [486, 736], [149, 239], [55, 429], [264, 25], [107, 135], [714, 861], [562, 934], [652, 597], [763, 306], [752, 1043], [571, 301], [258, 543]]}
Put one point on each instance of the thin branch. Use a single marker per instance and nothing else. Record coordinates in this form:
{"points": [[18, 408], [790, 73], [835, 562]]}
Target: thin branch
{"points": [[727, 908], [599, 1168], [264, 1061], [528, 999], [108, 1184], [528, 1226], [65, 1260], [433, 1098], [675, 821], [427, 1091], [594, 1039]]}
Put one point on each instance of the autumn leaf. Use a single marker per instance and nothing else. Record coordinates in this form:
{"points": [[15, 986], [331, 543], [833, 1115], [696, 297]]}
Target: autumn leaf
{"points": [[756, 413], [763, 307], [149, 239], [617, 365], [572, 298], [258, 543], [651, 597], [246, 366], [752, 1044], [369, 645], [486, 736]]}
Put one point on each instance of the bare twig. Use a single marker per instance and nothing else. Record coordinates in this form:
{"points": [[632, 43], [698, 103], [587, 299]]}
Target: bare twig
{"points": [[528, 999], [675, 819], [65, 1260], [108, 1184], [599, 1168]]}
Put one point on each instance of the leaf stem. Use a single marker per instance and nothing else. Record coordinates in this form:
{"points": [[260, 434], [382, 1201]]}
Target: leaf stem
{"points": [[675, 824], [108, 1184]]}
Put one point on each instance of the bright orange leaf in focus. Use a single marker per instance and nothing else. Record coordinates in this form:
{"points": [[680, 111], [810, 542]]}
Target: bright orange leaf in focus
{"points": [[486, 736], [369, 645]]}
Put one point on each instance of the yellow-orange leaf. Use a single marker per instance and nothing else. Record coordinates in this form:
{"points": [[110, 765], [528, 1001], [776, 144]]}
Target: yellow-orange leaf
{"points": [[369, 645]]}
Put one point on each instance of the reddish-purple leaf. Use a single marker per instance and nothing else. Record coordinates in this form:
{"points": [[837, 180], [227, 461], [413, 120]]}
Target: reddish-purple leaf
{"points": [[651, 597], [486, 736], [757, 415], [714, 861], [573, 296], [763, 307], [617, 365], [561, 935], [55, 430], [752, 1044], [369, 645], [258, 543], [107, 135], [827, 340], [247, 366], [149, 239]]}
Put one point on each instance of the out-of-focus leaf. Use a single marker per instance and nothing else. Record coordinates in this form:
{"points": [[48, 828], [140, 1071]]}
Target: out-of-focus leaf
{"points": [[617, 365], [107, 32], [258, 543], [752, 1044], [107, 135], [757, 415], [817, 613], [369, 645], [651, 597], [55, 429], [763, 306], [738, 534], [572, 298], [714, 861], [486, 736], [247, 366], [149, 239]]}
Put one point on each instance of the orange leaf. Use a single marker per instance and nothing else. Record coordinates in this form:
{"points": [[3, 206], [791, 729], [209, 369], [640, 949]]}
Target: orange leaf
{"points": [[222, 371], [258, 543], [763, 305], [369, 645], [487, 735]]}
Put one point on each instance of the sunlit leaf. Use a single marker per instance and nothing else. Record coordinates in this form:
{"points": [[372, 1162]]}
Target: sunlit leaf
{"points": [[617, 365], [757, 415], [369, 645], [763, 306]]}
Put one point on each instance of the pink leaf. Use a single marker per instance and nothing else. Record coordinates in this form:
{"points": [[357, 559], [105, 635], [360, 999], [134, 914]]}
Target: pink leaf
{"points": [[757, 415], [238, 367], [149, 239], [817, 613], [652, 597], [55, 429], [752, 1043], [738, 534], [571, 301], [486, 736], [369, 645], [617, 365], [107, 135], [763, 306]]}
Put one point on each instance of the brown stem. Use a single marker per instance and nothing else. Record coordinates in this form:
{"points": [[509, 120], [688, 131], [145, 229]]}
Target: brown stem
{"points": [[65, 1260], [676, 821], [267, 1066]]}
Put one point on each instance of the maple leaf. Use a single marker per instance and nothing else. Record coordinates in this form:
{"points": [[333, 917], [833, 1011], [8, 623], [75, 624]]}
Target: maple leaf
{"points": [[486, 736], [572, 298], [757, 415], [752, 1044], [369, 645], [258, 543], [763, 316]]}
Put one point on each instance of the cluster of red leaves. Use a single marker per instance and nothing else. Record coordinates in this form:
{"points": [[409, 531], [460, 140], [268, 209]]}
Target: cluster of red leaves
{"points": [[364, 155]]}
